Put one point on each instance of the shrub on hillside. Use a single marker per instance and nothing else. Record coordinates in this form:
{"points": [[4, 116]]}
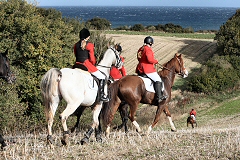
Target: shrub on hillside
{"points": [[217, 74], [228, 36]]}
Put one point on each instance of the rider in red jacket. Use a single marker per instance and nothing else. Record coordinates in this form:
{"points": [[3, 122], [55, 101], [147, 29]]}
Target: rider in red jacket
{"points": [[84, 52], [193, 114], [146, 66], [116, 73]]}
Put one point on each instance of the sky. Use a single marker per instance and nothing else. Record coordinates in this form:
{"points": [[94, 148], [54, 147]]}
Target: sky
{"points": [[191, 3]]}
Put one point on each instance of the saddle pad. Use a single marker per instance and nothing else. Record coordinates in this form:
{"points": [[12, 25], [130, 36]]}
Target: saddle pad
{"points": [[90, 81], [148, 84]]}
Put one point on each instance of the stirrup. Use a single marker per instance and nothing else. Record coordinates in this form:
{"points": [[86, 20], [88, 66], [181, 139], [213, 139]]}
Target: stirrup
{"points": [[165, 95]]}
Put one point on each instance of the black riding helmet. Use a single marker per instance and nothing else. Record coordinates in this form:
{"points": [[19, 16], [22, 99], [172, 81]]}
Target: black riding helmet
{"points": [[148, 40], [84, 33]]}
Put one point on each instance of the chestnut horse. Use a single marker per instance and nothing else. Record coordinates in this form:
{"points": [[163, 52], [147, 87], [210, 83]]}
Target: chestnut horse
{"points": [[191, 121], [131, 89]]}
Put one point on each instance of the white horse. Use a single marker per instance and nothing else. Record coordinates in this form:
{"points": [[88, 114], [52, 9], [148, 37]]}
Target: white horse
{"points": [[77, 88]]}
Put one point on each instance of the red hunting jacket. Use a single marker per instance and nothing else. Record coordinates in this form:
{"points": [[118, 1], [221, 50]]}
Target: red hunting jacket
{"points": [[147, 61], [193, 112], [91, 61], [116, 73]]}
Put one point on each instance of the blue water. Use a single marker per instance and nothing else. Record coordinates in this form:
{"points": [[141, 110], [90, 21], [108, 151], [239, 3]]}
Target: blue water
{"points": [[199, 18]]}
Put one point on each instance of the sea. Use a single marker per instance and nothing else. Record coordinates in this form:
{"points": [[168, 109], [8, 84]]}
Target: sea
{"points": [[198, 18]]}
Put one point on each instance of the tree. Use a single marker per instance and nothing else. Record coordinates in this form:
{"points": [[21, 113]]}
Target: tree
{"points": [[39, 39], [137, 27], [228, 36], [99, 23]]}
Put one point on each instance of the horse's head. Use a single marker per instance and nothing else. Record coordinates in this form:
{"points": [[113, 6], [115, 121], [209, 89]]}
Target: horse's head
{"points": [[180, 69], [5, 71], [111, 57], [117, 50]]}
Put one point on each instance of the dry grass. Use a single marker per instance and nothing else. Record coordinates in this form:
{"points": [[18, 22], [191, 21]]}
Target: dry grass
{"points": [[199, 143]]}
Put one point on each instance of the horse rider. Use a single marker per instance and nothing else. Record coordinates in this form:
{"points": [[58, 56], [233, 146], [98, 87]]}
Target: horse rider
{"points": [[193, 114], [146, 66], [84, 53], [117, 73]]}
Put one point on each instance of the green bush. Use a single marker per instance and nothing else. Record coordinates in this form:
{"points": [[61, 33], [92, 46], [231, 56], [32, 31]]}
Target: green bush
{"points": [[98, 23], [228, 36], [38, 39], [217, 74], [137, 27]]}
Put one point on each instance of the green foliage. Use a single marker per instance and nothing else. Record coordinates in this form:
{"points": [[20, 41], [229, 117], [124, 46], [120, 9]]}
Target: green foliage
{"points": [[98, 23], [228, 37], [217, 74], [137, 27], [38, 39]]}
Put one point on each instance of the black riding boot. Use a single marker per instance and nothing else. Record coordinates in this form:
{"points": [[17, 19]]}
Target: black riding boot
{"points": [[165, 94], [102, 95], [159, 94]]}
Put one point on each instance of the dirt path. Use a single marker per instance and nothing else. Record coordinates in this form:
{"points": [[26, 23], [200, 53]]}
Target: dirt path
{"points": [[195, 51]]}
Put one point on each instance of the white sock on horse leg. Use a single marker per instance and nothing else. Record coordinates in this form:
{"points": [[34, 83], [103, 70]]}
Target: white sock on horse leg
{"points": [[108, 131], [149, 130], [137, 126], [171, 123]]}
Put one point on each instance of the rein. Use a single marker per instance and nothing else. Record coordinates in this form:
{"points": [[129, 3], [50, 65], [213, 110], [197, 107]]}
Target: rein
{"points": [[171, 70], [117, 58], [104, 66]]}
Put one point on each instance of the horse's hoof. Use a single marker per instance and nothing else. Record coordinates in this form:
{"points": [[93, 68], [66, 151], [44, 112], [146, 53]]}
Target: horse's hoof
{"points": [[85, 140], [49, 140], [4, 146], [72, 129], [98, 137], [65, 139], [173, 130]]}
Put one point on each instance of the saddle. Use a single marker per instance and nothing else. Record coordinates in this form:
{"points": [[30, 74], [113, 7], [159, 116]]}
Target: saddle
{"points": [[80, 66], [149, 84], [93, 79]]}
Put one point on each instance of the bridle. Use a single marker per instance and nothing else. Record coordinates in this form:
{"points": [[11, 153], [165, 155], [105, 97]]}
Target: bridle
{"points": [[118, 62], [181, 69]]}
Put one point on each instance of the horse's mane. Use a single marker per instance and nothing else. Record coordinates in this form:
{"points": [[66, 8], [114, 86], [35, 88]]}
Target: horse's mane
{"points": [[164, 71]]}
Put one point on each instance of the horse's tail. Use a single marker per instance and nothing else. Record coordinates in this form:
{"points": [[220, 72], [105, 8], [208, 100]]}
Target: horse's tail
{"points": [[49, 85], [107, 111]]}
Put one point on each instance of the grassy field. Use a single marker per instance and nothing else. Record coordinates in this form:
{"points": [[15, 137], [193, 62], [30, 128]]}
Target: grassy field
{"points": [[179, 35]]}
